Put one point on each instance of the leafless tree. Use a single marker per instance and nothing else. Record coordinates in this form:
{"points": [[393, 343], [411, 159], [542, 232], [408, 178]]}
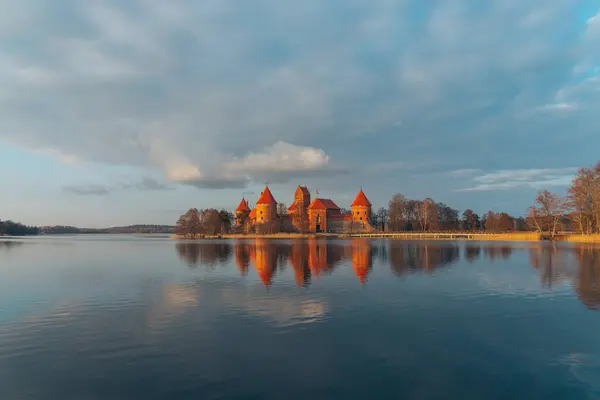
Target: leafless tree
{"points": [[545, 215], [470, 220], [379, 219], [211, 221], [427, 215], [194, 225], [498, 222], [181, 228], [583, 200], [282, 212], [397, 212], [447, 217]]}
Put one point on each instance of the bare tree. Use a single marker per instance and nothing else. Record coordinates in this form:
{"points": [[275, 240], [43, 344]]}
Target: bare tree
{"points": [[226, 218], [282, 212], [397, 208], [470, 220], [545, 215], [427, 215], [447, 217], [583, 200], [194, 225], [379, 219], [211, 221], [181, 228]]}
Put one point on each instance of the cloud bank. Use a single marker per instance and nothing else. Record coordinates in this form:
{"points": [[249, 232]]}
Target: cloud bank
{"points": [[219, 94]]}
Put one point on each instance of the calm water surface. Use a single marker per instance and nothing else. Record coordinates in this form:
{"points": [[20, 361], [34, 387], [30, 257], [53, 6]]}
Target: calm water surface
{"points": [[125, 317]]}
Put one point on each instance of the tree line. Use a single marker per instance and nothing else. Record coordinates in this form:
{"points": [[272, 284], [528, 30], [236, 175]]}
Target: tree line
{"points": [[144, 228], [403, 214], [208, 221], [577, 211], [10, 228]]}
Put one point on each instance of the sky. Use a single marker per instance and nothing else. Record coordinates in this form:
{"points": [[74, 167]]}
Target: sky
{"points": [[118, 112]]}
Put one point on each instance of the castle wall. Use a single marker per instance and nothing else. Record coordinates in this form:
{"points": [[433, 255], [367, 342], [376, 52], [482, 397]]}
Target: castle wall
{"points": [[361, 213], [336, 225], [265, 213]]}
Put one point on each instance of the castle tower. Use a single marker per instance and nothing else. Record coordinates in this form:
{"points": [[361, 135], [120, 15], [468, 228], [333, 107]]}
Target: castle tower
{"points": [[266, 207], [302, 197], [361, 208], [241, 212]]}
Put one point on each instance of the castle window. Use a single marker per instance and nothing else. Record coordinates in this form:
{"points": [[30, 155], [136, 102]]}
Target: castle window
{"points": [[361, 218], [261, 212]]}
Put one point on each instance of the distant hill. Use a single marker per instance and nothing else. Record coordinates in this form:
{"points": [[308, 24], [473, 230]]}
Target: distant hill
{"points": [[64, 230]]}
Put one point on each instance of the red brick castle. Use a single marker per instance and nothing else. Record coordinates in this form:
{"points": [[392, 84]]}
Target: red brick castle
{"points": [[304, 215]]}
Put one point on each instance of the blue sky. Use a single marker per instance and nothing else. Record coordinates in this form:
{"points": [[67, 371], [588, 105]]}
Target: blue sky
{"points": [[131, 111]]}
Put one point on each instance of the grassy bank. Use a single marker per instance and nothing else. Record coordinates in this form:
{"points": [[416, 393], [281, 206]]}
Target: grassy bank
{"points": [[505, 237], [257, 236], [581, 238]]}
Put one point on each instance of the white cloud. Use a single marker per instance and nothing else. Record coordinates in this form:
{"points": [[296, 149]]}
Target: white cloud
{"points": [[281, 157], [511, 179], [557, 107]]}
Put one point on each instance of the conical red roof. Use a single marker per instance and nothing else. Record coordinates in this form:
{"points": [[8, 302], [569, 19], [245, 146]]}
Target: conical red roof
{"points": [[243, 206], [361, 200], [266, 197]]}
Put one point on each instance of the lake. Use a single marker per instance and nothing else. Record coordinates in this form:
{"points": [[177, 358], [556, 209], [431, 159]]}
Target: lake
{"points": [[131, 317]]}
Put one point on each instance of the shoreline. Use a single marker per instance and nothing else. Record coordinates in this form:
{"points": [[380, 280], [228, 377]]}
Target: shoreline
{"points": [[438, 236]]}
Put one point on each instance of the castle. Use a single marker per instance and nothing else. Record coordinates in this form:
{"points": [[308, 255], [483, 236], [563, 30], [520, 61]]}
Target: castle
{"points": [[304, 215]]}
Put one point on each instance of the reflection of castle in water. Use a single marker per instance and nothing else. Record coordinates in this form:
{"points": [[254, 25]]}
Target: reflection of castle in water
{"points": [[315, 257]]}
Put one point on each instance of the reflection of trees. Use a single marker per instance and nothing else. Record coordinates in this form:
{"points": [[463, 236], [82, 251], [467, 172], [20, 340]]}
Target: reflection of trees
{"points": [[551, 262], [472, 253], [406, 258], [380, 251], [9, 244], [588, 279], [579, 265], [496, 252], [209, 254]]}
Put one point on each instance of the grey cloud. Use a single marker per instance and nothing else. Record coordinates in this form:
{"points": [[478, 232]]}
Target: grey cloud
{"points": [[86, 190], [217, 183], [145, 184], [163, 84], [148, 183]]}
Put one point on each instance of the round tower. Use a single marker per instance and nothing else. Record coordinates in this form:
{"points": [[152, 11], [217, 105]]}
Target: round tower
{"points": [[361, 208], [241, 212], [266, 207]]}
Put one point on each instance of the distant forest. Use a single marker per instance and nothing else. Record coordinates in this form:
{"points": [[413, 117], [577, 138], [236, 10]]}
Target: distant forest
{"points": [[10, 228], [62, 230]]}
